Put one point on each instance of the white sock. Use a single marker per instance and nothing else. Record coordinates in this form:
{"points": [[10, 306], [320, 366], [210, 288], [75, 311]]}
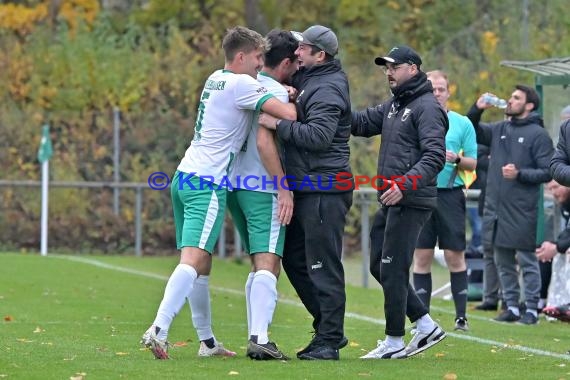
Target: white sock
{"points": [[515, 310], [395, 341], [199, 301], [263, 301], [533, 312], [178, 287], [248, 301], [425, 324]]}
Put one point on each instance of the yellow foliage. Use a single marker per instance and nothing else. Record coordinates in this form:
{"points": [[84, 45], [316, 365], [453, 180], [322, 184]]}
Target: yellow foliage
{"points": [[394, 5], [489, 41], [19, 70], [454, 105], [100, 152], [74, 11], [20, 18], [483, 75], [128, 214], [452, 89]]}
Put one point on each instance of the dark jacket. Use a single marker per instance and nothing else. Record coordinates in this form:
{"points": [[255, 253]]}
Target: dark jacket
{"points": [[511, 206], [413, 127], [316, 151], [560, 170], [560, 163], [563, 240]]}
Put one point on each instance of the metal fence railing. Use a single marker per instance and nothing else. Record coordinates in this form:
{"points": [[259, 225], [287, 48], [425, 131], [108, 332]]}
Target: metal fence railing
{"points": [[364, 198]]}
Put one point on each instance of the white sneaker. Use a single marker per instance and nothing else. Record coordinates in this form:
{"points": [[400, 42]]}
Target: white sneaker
{"points": [[422, 341], [217, 350], [158, 347], [384, 351]]}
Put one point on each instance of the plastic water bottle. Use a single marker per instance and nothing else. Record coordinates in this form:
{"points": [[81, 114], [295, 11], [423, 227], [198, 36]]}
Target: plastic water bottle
{"points": [[495, 101]]}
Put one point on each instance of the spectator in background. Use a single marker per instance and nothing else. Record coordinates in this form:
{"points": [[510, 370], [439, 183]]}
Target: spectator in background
{"points": [[550, 251], [520, 156], [546, 265], [446, 225], [560, 169]]}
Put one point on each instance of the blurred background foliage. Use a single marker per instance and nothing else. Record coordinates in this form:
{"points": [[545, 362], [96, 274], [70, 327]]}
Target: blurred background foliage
{"points": [[69, 63]]}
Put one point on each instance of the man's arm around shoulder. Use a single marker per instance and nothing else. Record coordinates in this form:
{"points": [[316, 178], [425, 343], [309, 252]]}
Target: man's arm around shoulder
{"points": [[279, 110]]}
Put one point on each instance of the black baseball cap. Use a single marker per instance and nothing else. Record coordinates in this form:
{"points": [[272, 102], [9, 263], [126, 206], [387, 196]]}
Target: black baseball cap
{"points": [[400, 54]]}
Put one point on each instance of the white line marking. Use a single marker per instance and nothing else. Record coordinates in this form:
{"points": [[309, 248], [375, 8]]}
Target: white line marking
{"points": [[364, 318]]}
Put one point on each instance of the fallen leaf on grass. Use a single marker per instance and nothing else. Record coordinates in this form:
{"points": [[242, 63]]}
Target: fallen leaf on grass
{"points": [[121, 353], [3, 375], [561, 365], [69, 359], [180, 344], [24, 340], [8, 318], [450, 376], [47, 343], [78, 376], [439, 355], [354, 344], [38, 330], [231, 373], [365, 374]]}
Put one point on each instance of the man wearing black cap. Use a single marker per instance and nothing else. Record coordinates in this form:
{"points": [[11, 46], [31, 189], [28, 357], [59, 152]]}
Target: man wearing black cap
{"points": [[315, 152], [412, 152]]}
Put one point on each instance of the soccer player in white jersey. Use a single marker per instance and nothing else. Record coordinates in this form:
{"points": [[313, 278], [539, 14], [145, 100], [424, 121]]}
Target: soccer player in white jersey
{"points": [[227, 106], [261, 203]]}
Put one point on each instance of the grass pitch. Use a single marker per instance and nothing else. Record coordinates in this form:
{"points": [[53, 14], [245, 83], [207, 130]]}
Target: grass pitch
{"points": [[81, 317]]}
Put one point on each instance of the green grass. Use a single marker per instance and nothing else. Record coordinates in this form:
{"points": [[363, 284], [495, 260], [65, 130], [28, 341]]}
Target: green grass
{"points": [[63, 317]]}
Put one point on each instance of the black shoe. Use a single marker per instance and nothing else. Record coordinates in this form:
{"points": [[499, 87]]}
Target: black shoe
{"points": [[487, 306], [528, 319], [317, 341], [343, 342], [461, 324], [507, 316], [313, 343], [320, 353], [266, 351]]}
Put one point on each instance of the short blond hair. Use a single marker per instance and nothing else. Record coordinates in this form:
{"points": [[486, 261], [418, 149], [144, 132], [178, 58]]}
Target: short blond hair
{"points": [[438, 74], [242, 39]]}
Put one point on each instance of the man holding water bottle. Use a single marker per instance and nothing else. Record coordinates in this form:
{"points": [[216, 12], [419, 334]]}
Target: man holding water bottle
{"points": [[520, 156]]}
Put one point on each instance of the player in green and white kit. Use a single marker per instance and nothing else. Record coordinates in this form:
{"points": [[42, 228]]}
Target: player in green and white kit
{"points": [[227, 106], [261, 203]]}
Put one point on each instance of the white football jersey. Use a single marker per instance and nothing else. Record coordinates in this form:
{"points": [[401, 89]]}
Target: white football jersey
{"points": [[225, 116], [248, 172]]}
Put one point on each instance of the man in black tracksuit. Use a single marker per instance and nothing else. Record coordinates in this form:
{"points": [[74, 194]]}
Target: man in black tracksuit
{"points": [[316, 158], [412, 152], [520, 157]]}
